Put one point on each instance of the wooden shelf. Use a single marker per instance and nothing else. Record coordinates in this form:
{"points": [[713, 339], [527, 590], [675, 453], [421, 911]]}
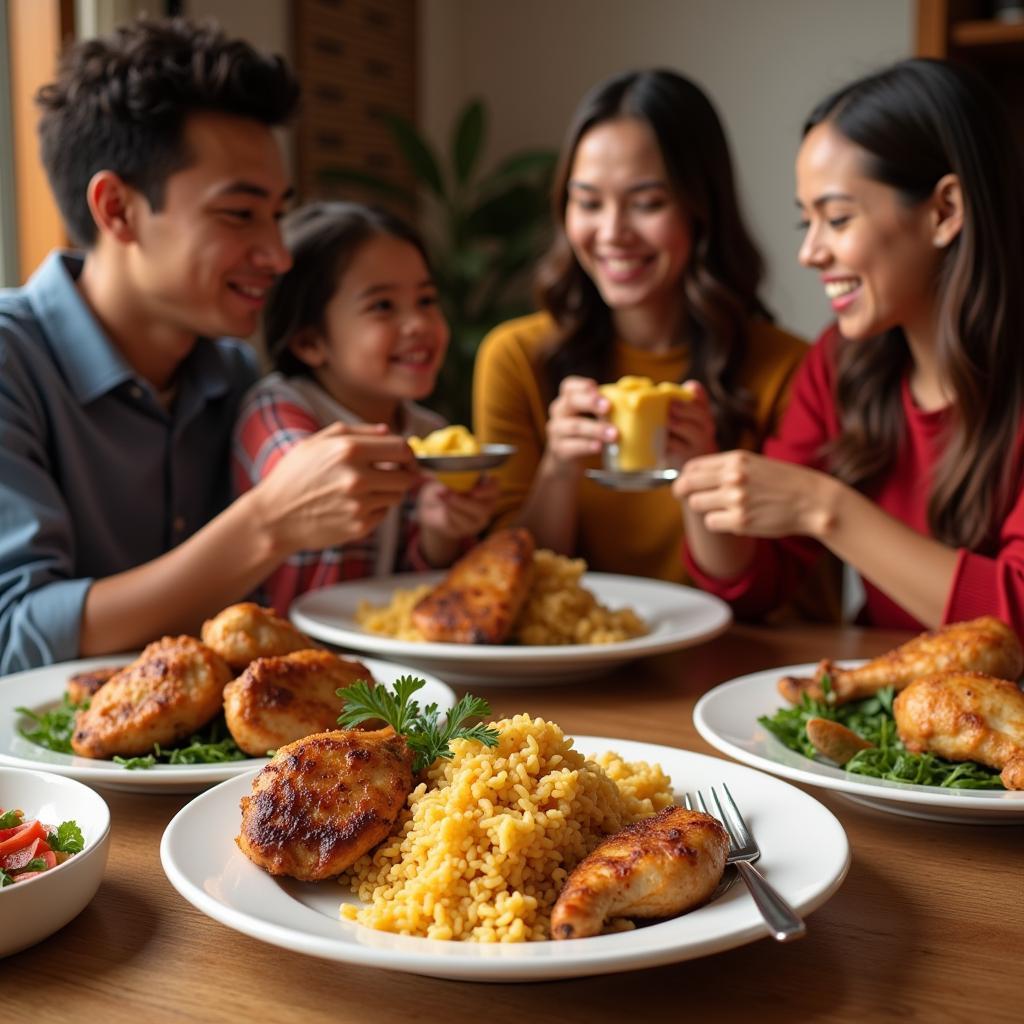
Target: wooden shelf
{"points": [[964, 31], [990, 33]]}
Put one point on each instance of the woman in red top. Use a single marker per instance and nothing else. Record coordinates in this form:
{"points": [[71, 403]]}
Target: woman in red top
{"points": [[901, 447]]}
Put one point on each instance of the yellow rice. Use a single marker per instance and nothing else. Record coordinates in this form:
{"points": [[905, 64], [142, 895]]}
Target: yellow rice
{"points": [[558, 610], [483, 847]]}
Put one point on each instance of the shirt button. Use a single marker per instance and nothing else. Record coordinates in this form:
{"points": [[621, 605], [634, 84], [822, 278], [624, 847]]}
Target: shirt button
{"points": [[179, 524], [135, 391]]}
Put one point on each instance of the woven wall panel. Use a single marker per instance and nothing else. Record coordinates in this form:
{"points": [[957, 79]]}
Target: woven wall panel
{"points": [[356, 59]]}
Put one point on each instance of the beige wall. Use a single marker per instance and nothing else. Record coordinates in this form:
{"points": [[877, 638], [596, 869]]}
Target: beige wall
{"points": [[264, 23], [764, 63]]}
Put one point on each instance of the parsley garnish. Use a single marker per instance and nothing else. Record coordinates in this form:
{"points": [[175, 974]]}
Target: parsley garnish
{"points": [[67, 839], [425, 735], [872, 719], [10, 819]]}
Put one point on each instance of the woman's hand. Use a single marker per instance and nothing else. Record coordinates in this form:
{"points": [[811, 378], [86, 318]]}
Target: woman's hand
{"points": [[751, 495], [334, 487], [573, 431], [691, 427], [449, 517]]}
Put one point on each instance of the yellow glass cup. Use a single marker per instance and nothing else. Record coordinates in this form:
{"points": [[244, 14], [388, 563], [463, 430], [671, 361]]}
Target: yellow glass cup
{"points": [[639, 411], [453, 440]]}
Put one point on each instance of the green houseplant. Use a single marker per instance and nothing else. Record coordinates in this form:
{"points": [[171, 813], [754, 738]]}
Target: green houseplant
{"points": [[484, 231]]}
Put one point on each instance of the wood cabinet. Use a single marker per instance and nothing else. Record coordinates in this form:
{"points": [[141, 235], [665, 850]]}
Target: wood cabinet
{"points": [[968, 32]]}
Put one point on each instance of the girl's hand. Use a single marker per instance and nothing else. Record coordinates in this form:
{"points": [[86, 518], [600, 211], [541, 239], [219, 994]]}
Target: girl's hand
{"points": [[334, 487], [457, 514], [449, 517], [573, 432], [691, 427], [751, 495]]}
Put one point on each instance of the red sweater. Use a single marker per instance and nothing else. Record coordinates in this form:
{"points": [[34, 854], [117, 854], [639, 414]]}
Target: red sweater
{"points": [[982, 585]]}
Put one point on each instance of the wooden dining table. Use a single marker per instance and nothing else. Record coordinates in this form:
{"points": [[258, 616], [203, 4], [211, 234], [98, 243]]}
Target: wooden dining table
{"points": [[927, 926]]}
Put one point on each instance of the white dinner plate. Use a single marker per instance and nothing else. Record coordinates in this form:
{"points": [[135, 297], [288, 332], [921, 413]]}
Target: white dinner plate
{"points": [[676, 616], [727, 718], [40, 689], [805, 855]]}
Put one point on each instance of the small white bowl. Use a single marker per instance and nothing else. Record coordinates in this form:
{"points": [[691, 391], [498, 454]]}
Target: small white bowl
{"points": [[33, 909]]}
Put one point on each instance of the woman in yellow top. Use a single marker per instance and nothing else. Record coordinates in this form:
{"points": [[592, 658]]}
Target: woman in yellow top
{"points": [[652, 274]]}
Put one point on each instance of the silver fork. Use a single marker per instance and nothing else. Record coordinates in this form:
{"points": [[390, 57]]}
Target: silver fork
{"points": [[782, 919]]}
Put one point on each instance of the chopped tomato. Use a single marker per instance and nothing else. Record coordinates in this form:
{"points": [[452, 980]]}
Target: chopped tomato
{"points": [[38, 848], [21, 836]]}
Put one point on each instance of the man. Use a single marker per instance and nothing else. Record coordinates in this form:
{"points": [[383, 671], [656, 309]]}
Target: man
{"points": [[116, 406]]}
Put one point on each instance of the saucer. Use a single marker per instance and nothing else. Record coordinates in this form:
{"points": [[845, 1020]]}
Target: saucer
{"points": [[632, 480]]}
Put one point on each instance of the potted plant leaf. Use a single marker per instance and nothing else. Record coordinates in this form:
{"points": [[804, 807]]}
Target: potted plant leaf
{"points": [[485, 232]]}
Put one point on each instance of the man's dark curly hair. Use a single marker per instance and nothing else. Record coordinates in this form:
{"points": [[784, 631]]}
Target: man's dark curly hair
{"points": [[120, 103]]}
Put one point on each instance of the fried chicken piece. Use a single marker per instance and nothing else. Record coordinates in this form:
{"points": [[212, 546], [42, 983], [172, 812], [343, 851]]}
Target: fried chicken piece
{"points": [[173, 688], [278, 700], [981, 645], [965, 716], [657, 867], [244, 632], [480, 598], [83, 685], [324, 800]]}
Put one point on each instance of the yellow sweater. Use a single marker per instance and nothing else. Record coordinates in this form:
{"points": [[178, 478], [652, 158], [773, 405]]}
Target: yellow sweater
{"points": [[639, 534]]}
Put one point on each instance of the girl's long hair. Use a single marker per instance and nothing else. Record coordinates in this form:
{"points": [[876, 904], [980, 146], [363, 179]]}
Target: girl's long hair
{"points": [[918, 121], [719, 286]]}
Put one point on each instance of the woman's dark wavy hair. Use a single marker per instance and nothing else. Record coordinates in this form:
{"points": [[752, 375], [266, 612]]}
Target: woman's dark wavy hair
{"points": [[918, 121], [719, 285], [120, 103], [323, 238]]}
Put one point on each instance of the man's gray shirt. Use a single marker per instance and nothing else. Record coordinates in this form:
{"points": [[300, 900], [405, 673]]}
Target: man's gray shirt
{"points": [[95, 476]]}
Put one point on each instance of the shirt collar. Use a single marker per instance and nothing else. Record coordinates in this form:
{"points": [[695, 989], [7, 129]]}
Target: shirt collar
{"points": [[90, 362]]}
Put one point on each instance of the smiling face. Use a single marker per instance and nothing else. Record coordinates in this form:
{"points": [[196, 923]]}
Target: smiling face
{"points": [[204, 262], [877, 255], [384, 335], [623, 219]]}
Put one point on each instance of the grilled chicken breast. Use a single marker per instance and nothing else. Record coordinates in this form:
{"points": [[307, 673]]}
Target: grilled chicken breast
{"points": [[657, 867], [278, 700], [981, 645], [173, 688], [82, 685], [480, 598], [243, 632], [324, 800], [965, 716]]}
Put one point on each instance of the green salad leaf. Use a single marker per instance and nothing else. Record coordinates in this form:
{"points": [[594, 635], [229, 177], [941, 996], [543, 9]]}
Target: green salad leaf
{"points": [[426, 736], [872, 719], [213, 745], [52, 729]]}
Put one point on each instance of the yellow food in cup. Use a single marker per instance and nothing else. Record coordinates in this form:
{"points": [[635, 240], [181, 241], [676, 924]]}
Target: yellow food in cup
{"points": [[453, 440], [639, 411]]}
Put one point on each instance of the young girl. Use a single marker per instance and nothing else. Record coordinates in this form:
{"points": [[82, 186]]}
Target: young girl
{"points": [[901, 449], [355, 334], [653, 274]]}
